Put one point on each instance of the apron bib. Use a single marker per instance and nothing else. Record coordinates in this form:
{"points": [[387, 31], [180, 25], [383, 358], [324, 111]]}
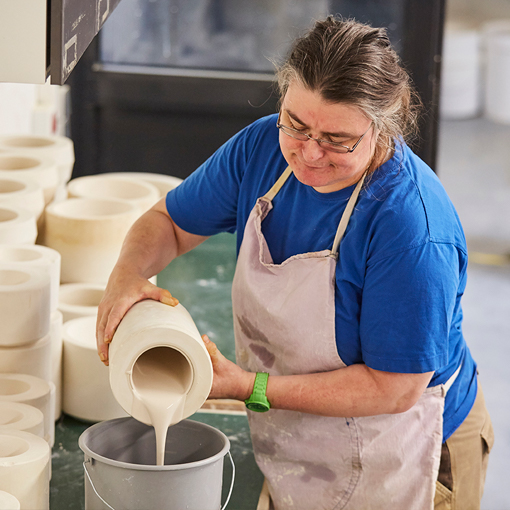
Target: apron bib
{"points": [[284, 324]]}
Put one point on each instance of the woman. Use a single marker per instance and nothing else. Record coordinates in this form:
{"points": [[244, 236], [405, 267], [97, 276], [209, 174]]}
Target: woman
{"points": [[351, 266]]}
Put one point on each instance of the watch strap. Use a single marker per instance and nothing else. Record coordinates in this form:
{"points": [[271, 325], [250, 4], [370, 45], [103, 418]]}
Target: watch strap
{"points": [[258, 401]]}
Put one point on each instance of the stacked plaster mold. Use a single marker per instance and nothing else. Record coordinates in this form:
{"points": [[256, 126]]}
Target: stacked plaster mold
{"points": [[34, 175], [31, 333], [139, 193], [88, 233], [88, 229], [87, 394], [8, 501]]}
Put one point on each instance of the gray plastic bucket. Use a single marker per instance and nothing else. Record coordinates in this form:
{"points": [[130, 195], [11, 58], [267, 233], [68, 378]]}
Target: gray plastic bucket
{"points": [[121, 471]]}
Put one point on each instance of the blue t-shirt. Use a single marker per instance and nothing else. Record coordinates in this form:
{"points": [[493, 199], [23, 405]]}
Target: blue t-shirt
{"points": [[402, 262]]}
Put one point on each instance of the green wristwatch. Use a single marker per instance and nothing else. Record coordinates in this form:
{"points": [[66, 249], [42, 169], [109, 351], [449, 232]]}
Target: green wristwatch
{"points": [[258, 401]]}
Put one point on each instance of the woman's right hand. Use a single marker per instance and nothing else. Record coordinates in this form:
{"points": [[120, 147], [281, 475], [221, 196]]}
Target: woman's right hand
{"points": [[122, 292]]}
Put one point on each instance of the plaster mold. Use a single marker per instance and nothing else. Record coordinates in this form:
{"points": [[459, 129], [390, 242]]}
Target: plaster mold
{"points": [[24, 305], [16, 416], [25, 468], [42, 170], [153, 331], [164, 183], [33, 391], [86, 388], [36, 256], [17, 225], [8, 501], [60, 193], [58, 148], [88, 233], [22, 193], [33, 359], [56, 359], [80, 299], [137, 192]]}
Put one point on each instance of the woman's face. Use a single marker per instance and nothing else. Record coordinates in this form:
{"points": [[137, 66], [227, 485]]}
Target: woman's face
{"points": [[325, 171]]}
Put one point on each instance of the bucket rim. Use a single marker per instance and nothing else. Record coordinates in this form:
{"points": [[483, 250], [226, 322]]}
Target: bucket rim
{"points": [[152, 467]]}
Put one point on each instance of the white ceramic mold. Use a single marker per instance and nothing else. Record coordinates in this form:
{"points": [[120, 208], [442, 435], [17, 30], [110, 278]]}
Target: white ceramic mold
{"points": [[148, 327], [17, 416], [36, 256], [26, 194], [86, 389], [33, 391], [33, 359], [139, 193], [8, 501], [59, 148], [164, 183], [56, 359], [88, 233], [40, 169], [80, 299], [24, 304], [25, 468], [17, 225]]}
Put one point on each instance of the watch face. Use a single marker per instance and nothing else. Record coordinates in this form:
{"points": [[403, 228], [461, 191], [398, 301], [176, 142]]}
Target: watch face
{"points": [[257, 407]]}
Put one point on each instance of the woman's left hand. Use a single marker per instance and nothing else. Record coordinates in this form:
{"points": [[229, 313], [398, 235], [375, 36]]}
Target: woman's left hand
{"points": [[229, 380]]}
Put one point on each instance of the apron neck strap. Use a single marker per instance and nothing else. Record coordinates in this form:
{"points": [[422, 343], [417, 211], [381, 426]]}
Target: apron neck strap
{"points": [[278, 185], [344, 220]]}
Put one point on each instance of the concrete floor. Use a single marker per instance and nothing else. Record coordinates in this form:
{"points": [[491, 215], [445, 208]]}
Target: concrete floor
{"points": [[474, 166]]}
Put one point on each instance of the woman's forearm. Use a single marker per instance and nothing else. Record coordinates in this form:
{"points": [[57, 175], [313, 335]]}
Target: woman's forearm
{"points": [[355, 390], [153, 242], [149, 246]]}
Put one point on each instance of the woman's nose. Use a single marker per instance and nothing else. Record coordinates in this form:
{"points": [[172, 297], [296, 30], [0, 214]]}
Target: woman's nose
{"points": [[312, 151]]}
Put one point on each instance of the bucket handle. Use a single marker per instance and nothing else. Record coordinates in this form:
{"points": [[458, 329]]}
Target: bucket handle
{"points": [[111, 507], [92, 485], [232, 482]]}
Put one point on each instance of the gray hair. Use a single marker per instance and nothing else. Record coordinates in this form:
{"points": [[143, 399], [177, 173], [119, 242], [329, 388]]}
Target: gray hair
{"points": [[352, 63]]}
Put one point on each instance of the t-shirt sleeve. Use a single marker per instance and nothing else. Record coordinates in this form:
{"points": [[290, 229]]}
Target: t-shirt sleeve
{"points": [[206, 202], [407, 308]]}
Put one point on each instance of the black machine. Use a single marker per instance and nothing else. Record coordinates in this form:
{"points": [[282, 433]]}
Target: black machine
{"points": [[166, 82]]}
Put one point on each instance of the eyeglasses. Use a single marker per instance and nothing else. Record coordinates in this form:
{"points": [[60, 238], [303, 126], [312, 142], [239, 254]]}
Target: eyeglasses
{"points": [[325, 144]]}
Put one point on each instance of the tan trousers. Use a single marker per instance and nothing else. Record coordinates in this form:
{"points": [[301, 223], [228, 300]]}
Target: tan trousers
{"points": [[464, 461]]}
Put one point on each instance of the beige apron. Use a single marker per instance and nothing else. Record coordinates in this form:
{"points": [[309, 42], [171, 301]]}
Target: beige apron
{"points": [[284, 323]]}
